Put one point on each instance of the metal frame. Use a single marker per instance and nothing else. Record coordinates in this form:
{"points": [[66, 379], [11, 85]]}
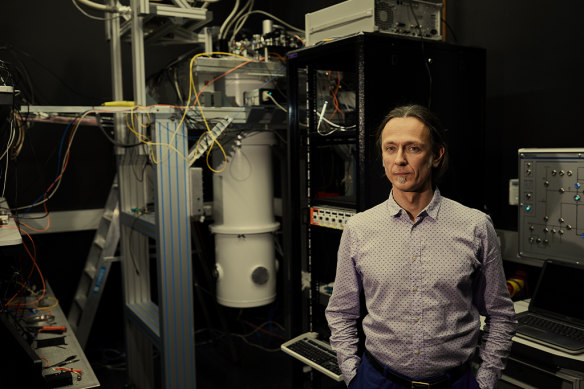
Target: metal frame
{"points": [[165, 321]]}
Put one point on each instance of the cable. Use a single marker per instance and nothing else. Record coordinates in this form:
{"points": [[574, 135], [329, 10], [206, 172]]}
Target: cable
{"points": [[321, 115], [62, 162], [5, 154], [17, 147], [223, 75], [234, 22], [63, 157], [22, 81], [419, 27], [112, 140], [260, 328], [57, 182], [10, 138], [132, 229], [17, 52], [242, 20], [35, 266], [300, 39], [449, 27], [85, 13], [276, 103], [291, 27], [334, 95], [193, 90], [146, 140], [176, 86], [224, 25], [103, 7], [34, 229]]}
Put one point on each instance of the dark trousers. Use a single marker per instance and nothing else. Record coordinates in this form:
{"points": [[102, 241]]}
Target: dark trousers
{"points": [[369, 378]]}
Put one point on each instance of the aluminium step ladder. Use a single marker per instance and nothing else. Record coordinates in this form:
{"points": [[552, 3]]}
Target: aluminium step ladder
{"points": [[96, 270]]}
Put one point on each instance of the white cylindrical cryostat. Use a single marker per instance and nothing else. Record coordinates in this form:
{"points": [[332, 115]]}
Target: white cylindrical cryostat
{"points": [[244, 225]]}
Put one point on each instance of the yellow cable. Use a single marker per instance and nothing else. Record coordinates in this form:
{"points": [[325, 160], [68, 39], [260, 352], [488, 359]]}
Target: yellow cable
{"points": [[146, 140], [193, 89], [50, 306]]}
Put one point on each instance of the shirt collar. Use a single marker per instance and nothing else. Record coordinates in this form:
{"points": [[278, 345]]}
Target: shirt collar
{"points": [[431, 209]]}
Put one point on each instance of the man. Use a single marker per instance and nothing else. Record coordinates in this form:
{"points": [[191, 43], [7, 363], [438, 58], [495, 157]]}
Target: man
{"points": [[428, 267]]}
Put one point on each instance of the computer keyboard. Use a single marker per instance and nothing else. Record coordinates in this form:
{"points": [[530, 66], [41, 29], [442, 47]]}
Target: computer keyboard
{"points": [[552, 326], [315, 353]]}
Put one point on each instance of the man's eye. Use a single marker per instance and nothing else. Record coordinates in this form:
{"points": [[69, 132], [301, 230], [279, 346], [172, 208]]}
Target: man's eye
{"points": [[390, 148], [414, 148]]}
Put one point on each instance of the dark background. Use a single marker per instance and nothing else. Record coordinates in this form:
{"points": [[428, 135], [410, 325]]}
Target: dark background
{"points": [[534, 98], [534, 83]]}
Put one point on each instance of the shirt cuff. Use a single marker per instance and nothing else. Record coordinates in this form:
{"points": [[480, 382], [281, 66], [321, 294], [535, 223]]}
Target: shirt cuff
{"points": [[487, 378], [349, 368]]}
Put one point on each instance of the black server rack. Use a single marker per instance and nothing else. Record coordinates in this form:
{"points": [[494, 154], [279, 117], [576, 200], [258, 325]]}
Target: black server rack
{"points": [[339, 92]]}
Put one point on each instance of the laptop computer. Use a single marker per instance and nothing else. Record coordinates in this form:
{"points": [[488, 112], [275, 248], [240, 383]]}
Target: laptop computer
{"points": [[555, 316]]}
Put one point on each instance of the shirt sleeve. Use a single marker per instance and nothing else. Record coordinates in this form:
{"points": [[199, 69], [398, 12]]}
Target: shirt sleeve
{"points": [[491, 298], [343, 308]]}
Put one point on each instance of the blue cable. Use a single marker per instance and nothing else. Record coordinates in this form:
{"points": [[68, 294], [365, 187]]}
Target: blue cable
{"points": [[273, 78], [58, 161]]}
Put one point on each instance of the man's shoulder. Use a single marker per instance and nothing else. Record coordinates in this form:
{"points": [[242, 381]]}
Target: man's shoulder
{"points": [[372, 215], [452, 208]]}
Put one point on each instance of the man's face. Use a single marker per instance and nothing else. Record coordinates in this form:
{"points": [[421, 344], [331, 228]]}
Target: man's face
{"points": [[407, 155]]}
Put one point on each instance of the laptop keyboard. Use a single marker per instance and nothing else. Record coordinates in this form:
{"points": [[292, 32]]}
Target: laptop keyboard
{"points": [[314, 353], [552, 326]]}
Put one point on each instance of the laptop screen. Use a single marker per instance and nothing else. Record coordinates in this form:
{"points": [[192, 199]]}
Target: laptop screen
{"points": [[560, 291]]}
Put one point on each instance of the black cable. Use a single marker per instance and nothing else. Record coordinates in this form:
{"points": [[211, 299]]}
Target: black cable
{"points": [[21, 78], [426, 64], [450, 29], [5, 74], [173, 79], [139, 179], [112, 140], [48, 70], [132, 228]]}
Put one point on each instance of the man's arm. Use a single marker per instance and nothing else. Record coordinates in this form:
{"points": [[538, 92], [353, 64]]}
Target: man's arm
{"points": [[343, 308], [491, 297]]}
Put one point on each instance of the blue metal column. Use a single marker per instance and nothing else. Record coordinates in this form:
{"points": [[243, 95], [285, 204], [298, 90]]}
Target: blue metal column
{"points": [[175, 284]]}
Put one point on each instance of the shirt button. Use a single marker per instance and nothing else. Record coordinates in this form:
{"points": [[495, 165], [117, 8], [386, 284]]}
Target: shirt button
{"points": [[417, 319], [415, 289], [417, 352], [414, 258]]}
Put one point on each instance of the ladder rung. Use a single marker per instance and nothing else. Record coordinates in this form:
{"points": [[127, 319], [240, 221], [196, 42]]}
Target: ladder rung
{"points": [[108, 215], [80, 300], [93, 278], [99, 242], [90, 272]]}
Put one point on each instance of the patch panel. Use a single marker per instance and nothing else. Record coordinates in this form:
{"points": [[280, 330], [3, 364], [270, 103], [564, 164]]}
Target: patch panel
{"points": [[330, 217]]}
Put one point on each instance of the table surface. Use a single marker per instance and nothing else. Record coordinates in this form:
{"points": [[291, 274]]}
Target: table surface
{"points": [[9, 234], [56, 354]]}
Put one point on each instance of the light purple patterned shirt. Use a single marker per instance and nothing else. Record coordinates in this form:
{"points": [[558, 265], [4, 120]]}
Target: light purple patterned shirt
{"points": [[426, 283]]}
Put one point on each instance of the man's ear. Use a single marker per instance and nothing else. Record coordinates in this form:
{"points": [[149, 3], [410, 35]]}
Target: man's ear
{"points": [[438, 156]]}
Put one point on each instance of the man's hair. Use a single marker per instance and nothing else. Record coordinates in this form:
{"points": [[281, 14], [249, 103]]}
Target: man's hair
{"points": [[431, 122]]}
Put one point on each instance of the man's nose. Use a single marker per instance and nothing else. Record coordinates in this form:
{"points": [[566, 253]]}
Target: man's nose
{"points": [[400, 157]]}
